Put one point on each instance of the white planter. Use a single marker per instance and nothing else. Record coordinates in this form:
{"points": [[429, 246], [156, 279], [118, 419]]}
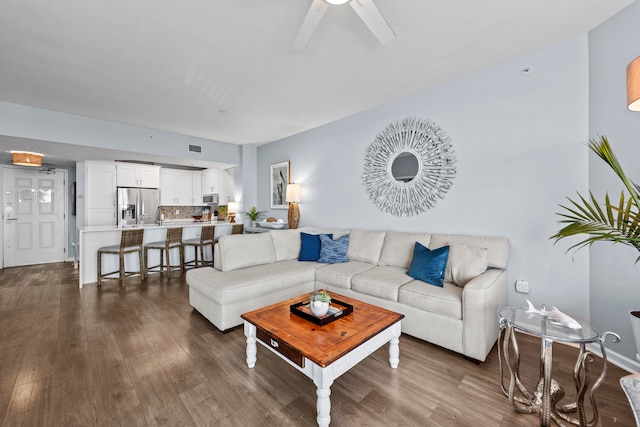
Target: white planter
{"points": [[634, 315], [319, 308]]}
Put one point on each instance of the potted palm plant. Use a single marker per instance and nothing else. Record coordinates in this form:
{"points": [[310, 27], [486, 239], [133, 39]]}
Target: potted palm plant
{"points": [[608, 221]]}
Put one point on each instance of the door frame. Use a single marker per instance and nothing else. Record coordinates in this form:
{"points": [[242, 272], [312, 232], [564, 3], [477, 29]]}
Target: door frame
{"points": [[65, 177]]}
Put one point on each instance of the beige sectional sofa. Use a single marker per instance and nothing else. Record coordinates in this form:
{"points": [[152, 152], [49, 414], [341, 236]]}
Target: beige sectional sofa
{"points": [[254, 270]]}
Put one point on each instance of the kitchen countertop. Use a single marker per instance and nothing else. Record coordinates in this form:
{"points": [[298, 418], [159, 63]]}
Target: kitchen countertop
{"points": [[165, 224]]}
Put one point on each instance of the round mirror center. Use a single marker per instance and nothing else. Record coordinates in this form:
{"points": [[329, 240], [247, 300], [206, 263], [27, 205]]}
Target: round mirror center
{"points": [[404, 167]]}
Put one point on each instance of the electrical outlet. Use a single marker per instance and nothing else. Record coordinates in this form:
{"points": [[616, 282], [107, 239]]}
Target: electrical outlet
{"points": [[522, 286], [177, 211]]}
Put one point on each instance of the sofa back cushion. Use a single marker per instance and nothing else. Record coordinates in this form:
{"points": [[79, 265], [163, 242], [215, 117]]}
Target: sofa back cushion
{"points": [[497, 247], [397, 250], [465, 262], [245, 250], [286, 244], [365, 245]]}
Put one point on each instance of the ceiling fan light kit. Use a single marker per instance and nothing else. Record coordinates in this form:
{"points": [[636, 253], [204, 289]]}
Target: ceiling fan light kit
{"points": [[366, 10]]}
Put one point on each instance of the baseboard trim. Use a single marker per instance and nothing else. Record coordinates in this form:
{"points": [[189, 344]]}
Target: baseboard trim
{"points": [[617, 359]]}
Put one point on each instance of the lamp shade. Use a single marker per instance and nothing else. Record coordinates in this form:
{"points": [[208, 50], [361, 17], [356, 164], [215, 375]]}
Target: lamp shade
{"points": [[293, 193], [633, 85], [25, 158], [232, 207]]}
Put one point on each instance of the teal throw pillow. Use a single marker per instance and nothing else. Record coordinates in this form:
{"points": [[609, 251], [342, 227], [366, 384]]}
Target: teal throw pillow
{"points": [[310, 246], [429, 265], [333, 251]]}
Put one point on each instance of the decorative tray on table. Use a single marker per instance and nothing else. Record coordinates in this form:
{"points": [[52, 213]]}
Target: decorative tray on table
{"points": [[337, 309]]}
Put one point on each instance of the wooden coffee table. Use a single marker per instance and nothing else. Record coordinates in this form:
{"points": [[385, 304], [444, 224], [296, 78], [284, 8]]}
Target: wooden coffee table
{"points": [[323, 353]]}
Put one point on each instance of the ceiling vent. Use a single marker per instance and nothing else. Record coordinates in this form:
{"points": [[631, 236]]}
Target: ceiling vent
{"points": [[195, 148]]}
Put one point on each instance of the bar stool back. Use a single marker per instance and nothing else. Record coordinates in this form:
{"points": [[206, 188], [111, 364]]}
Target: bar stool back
{"points": [[237, 229], [130, 242], [199, 243], [172, 241]]}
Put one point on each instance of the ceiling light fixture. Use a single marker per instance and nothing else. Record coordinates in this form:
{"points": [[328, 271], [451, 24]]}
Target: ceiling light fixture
{"points": [[633, 85], [337, 2], [26, 158]]}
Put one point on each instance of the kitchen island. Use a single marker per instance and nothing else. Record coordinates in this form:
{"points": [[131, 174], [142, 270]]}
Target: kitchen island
{"points": [[92, 238]]}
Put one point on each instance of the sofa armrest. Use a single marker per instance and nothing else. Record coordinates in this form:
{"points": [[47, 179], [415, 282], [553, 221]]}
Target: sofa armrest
{"points": [[481, 298], [216, 257]]}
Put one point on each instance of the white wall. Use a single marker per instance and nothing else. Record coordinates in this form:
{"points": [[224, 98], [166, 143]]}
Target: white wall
{"points": [[615, 279], [519, 140]]}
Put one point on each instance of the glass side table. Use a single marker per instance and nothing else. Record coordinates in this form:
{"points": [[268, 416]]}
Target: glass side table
{"points": [[548, 393]]}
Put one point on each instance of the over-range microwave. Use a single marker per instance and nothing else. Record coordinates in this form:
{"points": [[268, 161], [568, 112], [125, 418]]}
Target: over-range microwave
{"points": [[210, 199]]}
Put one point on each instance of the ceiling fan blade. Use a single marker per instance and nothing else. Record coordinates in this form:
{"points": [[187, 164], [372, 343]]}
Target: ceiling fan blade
{"points": [[311, 21], [372, 17]]}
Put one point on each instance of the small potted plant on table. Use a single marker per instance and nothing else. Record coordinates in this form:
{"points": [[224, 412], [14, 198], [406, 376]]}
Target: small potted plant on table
{"points": [[254, 215], [319, 304]]}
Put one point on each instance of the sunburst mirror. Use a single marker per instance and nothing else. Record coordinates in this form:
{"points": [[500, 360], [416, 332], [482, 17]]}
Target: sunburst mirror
{"points": [[408, 167]]}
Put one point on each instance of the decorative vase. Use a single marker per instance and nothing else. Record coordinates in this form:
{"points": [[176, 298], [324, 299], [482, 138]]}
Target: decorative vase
{"points": [[635, 326], [319, 308]]}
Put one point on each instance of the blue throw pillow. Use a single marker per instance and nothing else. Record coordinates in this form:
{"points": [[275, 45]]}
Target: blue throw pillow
{"points": [[429, 265], [333, 251], [310, 246]]}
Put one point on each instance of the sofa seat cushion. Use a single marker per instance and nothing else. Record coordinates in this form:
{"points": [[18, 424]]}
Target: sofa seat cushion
{"points": [[226, 287], [381, 281], [339, 275], [445, 301]]}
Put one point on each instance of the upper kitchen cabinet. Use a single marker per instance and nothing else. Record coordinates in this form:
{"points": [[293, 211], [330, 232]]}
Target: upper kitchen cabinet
{"points": [[218, 181], [97, 194], [180, 187], [138, 175], [210, 181]]}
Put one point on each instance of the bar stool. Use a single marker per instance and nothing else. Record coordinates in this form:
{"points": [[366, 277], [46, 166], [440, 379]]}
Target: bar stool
{"points": [[206, 238], [237, 229], [172, 241], [130, 242]]}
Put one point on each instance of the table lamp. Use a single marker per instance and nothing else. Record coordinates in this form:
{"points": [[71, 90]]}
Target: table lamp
{"points": [[232, 210], [293, 197]]}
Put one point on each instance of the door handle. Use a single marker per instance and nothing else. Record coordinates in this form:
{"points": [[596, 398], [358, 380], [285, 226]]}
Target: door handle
{"points": [[12, 219]]}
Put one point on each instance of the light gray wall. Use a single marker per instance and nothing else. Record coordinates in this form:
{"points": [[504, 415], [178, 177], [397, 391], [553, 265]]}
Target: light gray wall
{"points": [[519, 140], [615, 279]]}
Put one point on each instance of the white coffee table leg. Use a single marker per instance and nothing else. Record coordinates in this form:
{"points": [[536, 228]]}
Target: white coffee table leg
{"points": [[394, 348], [323, 379], [252, 351]]}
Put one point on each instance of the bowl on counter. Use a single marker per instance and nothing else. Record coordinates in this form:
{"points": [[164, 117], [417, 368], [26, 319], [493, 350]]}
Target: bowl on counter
{"points": [[197, 217], [276, 225]]}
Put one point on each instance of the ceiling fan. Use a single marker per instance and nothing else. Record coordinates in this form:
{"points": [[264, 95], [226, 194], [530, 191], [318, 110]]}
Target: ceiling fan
{"points": [[366, 9]]}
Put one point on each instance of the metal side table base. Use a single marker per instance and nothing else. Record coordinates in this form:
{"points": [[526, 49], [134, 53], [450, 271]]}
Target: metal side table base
{"points": [[544, 401]]}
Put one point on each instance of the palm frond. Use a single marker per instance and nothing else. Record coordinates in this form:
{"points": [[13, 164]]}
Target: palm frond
{"points": [[603, 222]]}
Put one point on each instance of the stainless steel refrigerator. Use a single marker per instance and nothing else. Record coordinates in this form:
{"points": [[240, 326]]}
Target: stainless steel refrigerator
{"points": [[138, 205]]}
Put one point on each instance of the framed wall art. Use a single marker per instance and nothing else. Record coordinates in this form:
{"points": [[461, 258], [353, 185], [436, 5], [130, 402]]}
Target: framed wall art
{"points": [[278, 179]]}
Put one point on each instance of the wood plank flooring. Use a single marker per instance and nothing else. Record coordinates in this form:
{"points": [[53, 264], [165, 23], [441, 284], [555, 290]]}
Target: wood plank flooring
{"points": [[141, 356]]}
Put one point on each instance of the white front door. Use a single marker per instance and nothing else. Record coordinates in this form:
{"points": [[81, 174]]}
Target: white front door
{"points": [[34, 207]]}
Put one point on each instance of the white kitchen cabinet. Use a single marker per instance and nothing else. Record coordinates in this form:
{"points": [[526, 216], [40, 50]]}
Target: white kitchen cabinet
{"points": [[226, 179], [137, 175], [220, 182], [196, 185], [180, 187], [100, 193], [210, 181]]}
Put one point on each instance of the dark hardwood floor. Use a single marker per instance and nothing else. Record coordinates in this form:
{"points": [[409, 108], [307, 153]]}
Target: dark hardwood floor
{"points": [[141, 356]]}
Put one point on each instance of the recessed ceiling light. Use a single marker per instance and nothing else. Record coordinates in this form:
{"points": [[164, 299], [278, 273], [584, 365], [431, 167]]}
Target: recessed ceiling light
{"points": [[337, 2]]}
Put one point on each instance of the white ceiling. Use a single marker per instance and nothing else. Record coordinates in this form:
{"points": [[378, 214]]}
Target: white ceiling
{"points": [[225, 69]]}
